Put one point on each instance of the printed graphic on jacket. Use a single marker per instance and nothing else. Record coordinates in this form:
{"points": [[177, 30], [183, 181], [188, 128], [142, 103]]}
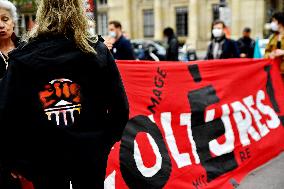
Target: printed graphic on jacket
{"points": [[61, 101]]}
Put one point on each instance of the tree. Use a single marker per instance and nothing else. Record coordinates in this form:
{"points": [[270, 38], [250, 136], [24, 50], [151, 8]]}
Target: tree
{"points": [[22, 2], [25, 5]]}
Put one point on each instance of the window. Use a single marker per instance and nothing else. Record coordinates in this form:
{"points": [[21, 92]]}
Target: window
{"points": [[182, 21], [215, 12], [102, 2], [102, 24], [148, 26]]}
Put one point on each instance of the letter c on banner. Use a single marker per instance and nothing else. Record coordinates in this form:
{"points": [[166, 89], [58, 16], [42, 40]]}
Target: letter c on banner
{"points": [[133, 171]]}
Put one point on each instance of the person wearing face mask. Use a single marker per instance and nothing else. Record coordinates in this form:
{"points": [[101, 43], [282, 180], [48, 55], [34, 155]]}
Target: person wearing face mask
{"points": [[119, 45], [220, 46], [275, 46], [8, 39], [246, 44]]}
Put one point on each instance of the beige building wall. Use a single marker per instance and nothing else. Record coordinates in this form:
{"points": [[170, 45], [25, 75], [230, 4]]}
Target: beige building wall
{"points": [[244, 13]]}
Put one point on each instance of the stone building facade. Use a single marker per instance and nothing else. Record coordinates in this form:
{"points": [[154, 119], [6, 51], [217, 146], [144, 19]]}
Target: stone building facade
{"points": [[191, 19]]}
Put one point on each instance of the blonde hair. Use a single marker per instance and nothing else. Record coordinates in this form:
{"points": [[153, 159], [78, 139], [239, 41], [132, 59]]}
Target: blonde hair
{"points": [[63, 17]]}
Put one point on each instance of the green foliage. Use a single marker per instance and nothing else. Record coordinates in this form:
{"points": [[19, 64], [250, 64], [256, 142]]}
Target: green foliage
{"points": [[25, 5], [23, 2]]}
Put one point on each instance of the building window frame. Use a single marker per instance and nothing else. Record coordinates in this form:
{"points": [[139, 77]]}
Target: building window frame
{"points": [[181, 21], [148, 23], [103, 23], [102, 2]]}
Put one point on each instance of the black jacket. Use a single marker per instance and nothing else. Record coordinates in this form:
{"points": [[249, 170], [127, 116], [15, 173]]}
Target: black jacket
{"points": [[172, 50], [246, 46], [16, 41], [60, 108], [122, 49], [2, 65], [229, 50]]}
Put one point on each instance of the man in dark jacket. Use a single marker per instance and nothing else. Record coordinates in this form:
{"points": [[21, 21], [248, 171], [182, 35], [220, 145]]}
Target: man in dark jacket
{"points": [[172, 42], [221, 47], [246, 44], [121, 47]]}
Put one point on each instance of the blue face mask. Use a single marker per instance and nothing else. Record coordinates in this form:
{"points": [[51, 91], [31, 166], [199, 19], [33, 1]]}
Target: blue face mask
{"points": [[112, 34]]}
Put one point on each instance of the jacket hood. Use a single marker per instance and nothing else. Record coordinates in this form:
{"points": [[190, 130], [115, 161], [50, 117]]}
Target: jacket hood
{"points": [[51, 50]]}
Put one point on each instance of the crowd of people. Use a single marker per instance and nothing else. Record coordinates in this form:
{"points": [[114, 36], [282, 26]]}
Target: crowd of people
{"points": [[62, 101]]}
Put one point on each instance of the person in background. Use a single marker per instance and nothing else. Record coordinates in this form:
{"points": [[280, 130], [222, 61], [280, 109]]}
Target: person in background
{"points": [[220, 46], [246, 44], [275, 46], [8, 39], [8, 42], [62, 102], [172, 44], [119, 45]]}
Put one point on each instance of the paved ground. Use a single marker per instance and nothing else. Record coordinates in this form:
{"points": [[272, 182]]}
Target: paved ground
{"points": [[269, 176]]}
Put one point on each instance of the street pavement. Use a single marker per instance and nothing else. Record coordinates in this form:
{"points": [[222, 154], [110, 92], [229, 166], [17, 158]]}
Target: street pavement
{"points": [[268, 176]]}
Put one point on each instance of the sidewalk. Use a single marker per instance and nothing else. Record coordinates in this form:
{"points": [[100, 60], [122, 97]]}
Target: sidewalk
{"points": [[268, 176]]}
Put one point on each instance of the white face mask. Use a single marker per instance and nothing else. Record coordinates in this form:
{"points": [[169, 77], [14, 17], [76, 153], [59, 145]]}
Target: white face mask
{"points": [[112, 34], [274, 26], [217, 32]]}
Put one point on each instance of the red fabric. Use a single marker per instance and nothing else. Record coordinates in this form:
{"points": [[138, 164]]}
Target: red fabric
{"points": [[234, 80], [26, 184], [170, 83]]}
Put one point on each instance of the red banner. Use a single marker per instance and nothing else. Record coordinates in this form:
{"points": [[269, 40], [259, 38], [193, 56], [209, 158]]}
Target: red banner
{"points": [[204, 124]]}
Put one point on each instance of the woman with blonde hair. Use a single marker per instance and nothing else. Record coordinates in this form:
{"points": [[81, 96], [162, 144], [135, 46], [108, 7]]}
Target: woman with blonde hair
{"points": [[62, 102]]}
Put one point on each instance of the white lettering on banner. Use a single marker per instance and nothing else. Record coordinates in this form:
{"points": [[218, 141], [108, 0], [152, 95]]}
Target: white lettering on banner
{"points": [[185, 119], [243, 112], [151, 117], [145, 171], [228, 146], [244, 124], [256, 115], [274, 122], [109, 182], [182, 159], [209, 115]]}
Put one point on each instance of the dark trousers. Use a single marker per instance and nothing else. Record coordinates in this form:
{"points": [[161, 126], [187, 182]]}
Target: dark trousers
{"points": [[53, 182], [81, 177]]}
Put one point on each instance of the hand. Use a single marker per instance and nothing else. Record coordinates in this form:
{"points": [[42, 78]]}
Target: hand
{"points": [[272, 55], [279, 52], [243, 55], [109, 42], [16, 175]]}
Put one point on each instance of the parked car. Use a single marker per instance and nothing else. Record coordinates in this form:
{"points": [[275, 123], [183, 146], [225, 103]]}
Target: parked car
{"points": [[187, 54], [154, 50], [148, 50]]}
